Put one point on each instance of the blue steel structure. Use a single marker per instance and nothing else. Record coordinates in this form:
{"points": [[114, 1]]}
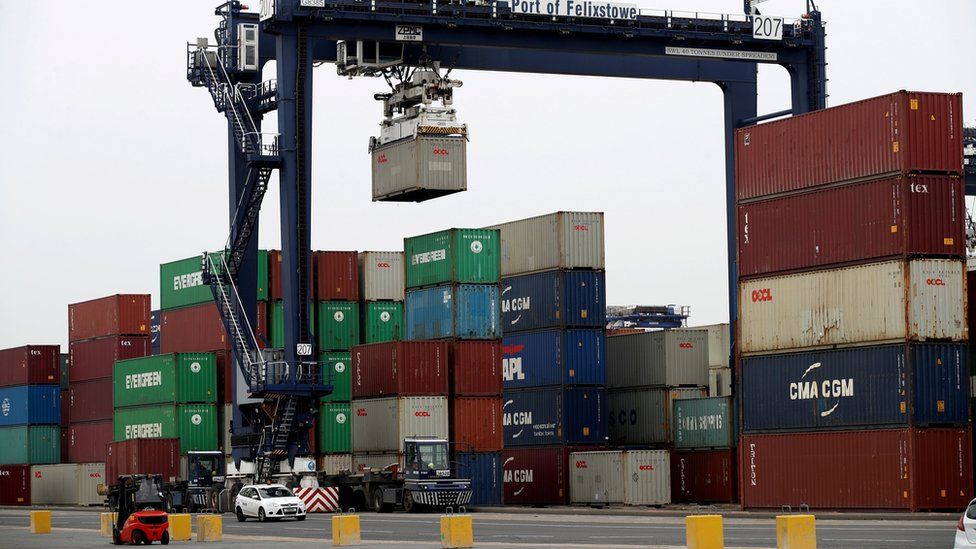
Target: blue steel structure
{"points": [[482, 35]]}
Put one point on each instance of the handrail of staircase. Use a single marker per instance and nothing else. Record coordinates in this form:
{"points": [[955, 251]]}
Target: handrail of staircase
{"points": [[247, 323]]}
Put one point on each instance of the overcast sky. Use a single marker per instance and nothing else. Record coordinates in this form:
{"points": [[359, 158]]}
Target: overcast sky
{"points": [[112, 163]]}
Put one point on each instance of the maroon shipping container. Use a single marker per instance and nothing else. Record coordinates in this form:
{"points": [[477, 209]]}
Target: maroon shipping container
{"points": [[901, 132], [90, 401], [538, 475], [30, 364], [476, 423], [121, 314], [15, 485], [336, 276], [95, 358], [401, 368], [274, 275], [153, 456], [197, 328], [64, 444], [476, 368], [65, 407], [703, 476], [87, 441], [911, 469], [896, 217]]}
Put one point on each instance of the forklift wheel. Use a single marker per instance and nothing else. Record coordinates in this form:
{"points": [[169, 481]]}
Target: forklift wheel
{"points": [[138, 538], [165, 539], [116, 538]]}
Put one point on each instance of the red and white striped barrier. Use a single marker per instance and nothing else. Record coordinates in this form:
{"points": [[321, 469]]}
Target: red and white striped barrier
{"points": [[319, 500]]}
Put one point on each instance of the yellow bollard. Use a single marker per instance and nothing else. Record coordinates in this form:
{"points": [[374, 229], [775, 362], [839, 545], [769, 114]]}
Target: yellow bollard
{"points": [[180, 528], [796, 532], [705, 532], [108, 521], [456, 531], [345, 530], [210, 528], [40, 522]]}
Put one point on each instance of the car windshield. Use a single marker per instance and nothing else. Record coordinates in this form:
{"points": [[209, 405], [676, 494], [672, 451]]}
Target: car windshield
{"points": [[275, 492], [433, 456]]}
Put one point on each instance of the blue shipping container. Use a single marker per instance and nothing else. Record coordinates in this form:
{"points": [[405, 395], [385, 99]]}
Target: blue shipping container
{"points": [[463, 311], [485, 471], [555, 415], [554, 299], [154, 332], [554, 357], [30, 405], [919, 384]]}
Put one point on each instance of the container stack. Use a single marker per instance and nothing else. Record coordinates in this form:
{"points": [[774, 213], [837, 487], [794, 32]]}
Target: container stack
{"points": [[30, 416], [100, 332], [852, 327], [703, 460]]}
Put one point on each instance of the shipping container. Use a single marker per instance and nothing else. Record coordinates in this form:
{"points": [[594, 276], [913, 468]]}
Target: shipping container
{"points": [[338, 325], [642, 416], [881, 302], [381, 424], [538, 475], [331, 464], [181, 282], [707, 476], [720, 382], [703, 423], [561, 240], [647, 474], [555, 415], [151, 456], [155, 318], [913, 469], [336, 276], [15, 485], [381, 276], [460, 256], [661, 358], [420, 168], [274, 276], [554, 299], [87, 441], [30, 405], [632, 477], [337, 367], [276, 324], [225, 376], [225, 419], [95, 358], [89, 401], [364, 462], [65, 407], [896, 133], [65, 363], [407, 368], [382, 321], [34, 444], [194, 424], [719, 344], [30, 365], [193, 329], [475, 368], [555, 357], [463, 311], [67, 484], [334, 429], [476, 423], [178, 378], [121, 314], [484, 469]]}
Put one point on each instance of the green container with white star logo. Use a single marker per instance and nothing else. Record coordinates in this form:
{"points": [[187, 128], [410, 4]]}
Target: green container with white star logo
{"points": [[334, 433], [337, 324], [337, 363], [194, 424], [175, 378], [382, 321], [464, 256]]}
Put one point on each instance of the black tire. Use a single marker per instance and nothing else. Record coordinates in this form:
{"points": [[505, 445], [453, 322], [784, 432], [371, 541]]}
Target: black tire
{"points": [[116, 537], [261, 516], [378, 504], [138, 538], [165, 539], [409, 505], [300, 518], [240, 515]]}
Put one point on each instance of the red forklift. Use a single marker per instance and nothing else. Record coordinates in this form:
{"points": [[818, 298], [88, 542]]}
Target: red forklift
{"points": [[141, 504]]}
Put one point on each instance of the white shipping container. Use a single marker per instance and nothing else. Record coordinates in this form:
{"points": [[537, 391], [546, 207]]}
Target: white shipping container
{"points": [[719, 344], [364, 462], [643, 415], [561, 240], [647, 477], [67, 484], [661, 358], [381, 424], [420, 168], [719, 382], [331, 464], [381, 276], [632, 477], [881, 302]]}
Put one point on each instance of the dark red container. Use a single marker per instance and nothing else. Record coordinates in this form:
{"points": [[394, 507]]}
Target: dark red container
{"points": [[912, 469], [538, 475], [476, 368], [400, 368], [64, 441], [901, 216], [197, 328], [225, 379], [703, 476], [87, 441], [901, 132], [90, 401], [274, 274], [30, 364], [95, 358], [336, 276], [65, 408], [152, 456], [121, 314], [15, 485], [476, 423]]}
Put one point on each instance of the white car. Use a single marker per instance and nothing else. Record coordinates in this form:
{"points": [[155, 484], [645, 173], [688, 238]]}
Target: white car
{"points": [[966, 529], [268, 501]]}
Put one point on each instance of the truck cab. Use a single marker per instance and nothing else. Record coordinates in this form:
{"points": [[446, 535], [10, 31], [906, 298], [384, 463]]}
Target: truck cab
{"points": [[426, 481], [204, 479]]}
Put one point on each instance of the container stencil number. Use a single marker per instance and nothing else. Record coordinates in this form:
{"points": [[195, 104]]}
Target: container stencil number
{"points": [[767, 28]]}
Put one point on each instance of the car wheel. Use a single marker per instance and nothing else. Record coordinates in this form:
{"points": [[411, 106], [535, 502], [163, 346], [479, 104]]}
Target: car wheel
{"points": [[300, 518], [240, 515], [409, 505], [165, 539], [261, 516], [138, 537]]}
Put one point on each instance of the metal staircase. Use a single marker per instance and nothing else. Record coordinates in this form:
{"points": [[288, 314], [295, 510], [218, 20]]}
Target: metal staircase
{"points": [[275, 438], [245, 344]]}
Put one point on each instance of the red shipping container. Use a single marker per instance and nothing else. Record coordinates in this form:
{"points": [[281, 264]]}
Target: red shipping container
{"points": [[15, 485], [703, 476], [199, 329], [336, 276], [904, 216], [65, 407], [911, 469], [95, 358], [120, 314], [274, 275], [152, 456], [87, 441], [403, 368], [90, 401], [897, 133], [538, 475], [476, 424], [30, 364], [64, 443], [476, 368]]}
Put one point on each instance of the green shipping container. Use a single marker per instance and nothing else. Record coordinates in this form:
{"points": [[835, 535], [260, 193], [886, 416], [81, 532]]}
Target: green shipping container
{"points": [[338, 325], [334, 434], [64, 371], [181, 282], [382, 321], [703, 423], [194, 424], [34, 444], [165, 379], [467, 256], [338, 363], [276, 325]]}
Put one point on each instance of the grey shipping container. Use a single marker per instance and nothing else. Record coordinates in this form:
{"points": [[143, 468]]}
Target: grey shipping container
{"points": [[561, 240], [425, 167], [664, 358], [631, 477], [643, 415], [331, 464], [67, 484], [381, 276], [703, 423], [381, 424], [364, 462], [719, 344], [719, 382]]}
